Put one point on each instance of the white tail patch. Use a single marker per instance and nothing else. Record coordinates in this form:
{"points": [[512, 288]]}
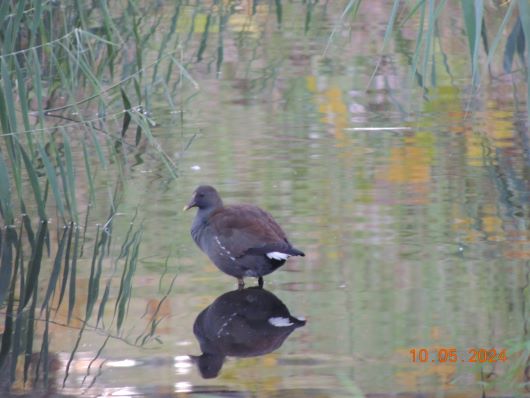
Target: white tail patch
{"points": [[280, 322], [277, 256]]}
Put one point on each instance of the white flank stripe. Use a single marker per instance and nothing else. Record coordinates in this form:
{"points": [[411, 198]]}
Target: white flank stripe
{"points": [[277, 256], [280, 322]]}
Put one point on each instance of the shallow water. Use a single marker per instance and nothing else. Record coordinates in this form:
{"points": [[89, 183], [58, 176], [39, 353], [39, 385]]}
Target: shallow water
{"points": [[412, 211]]}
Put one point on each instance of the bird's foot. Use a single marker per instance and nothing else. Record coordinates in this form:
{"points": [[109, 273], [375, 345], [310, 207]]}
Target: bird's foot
{"points": [[260, 281], [240, 283]]}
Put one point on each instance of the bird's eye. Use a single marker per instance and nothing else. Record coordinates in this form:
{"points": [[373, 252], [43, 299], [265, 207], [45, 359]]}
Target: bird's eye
{"points": [[200, 195]]}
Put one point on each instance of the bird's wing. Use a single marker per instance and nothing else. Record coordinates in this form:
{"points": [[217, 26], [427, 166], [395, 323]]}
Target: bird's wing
{"points": [[246, 229]]}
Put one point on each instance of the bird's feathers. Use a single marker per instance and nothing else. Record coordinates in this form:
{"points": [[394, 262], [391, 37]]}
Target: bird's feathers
{"points": [[247, 229]]}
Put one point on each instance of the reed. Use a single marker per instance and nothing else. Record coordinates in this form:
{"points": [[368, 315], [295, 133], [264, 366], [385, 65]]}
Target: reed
{"points": [[73, 104], [476, 17]]}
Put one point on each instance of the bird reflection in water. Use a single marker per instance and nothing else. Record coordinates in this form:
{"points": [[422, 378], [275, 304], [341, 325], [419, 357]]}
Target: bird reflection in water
{"points": [[241, 323]]}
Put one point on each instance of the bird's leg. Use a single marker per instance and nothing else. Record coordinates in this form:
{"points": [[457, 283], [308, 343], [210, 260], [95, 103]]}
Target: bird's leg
{"points": [[240, 283], [260, 281]]}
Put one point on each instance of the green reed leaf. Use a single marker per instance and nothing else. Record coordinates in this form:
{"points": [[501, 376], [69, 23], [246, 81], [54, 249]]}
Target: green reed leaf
{"points": [[34, 181], [103, 302], [24, 101], [70, 176], [34, 265], [66, 266], [73, 276], [514, 44], [8, 93], [129, 270], [7, 333], [6, 205], [126, 114], [8, 242], [52, 179], [56, 270]]}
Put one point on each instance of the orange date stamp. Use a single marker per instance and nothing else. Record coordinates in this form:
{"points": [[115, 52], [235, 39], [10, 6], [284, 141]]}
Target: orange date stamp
{"points": [[451, 355]]}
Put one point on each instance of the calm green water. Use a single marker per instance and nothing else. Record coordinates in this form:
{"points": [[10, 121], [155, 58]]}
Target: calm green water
{"points": [[412, 209]]}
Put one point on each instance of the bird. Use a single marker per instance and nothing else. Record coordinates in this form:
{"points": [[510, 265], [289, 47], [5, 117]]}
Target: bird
{"points": [[241, 323], [241, 240]]}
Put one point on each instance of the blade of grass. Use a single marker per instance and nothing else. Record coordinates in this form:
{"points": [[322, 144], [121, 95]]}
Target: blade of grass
{"points": [[37, 17], [20, 314], [349, 6], [8, 242], [163, 46], [279, 11], [88, 171], [103, 302], [419, 41], [97, 146], [524, 13], [154, 318], [5, 9], [8, 93], [129, 270], [29, 335], [473, 13], [23, 101], [72, 354], [37, 84], [71, 177], [386, 39], [66, 194], [73, 276], [34, 184], [204, 38], [30, 235], [98, 354], [500, 31], [111, 30], [66, 266], [412, 12], [144, 123], [308, 16], [56, 270], [35, 264], [514, 43], [6, 124], [429, 35], [220, 44], [52, 179], [91, 279], [6, 206], [184, 72], [126, 110], [45, 349], [127, 241], [11, 34], [479, 23], [95, 271], [7, 333]]}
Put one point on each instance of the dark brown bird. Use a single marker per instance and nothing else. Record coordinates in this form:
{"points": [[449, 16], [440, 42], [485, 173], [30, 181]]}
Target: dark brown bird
{"points": [[241, 240], [242, 323]]}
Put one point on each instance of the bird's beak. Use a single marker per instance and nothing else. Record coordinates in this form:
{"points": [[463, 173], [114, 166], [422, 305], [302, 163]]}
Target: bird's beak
{"points": [[190, 205]]}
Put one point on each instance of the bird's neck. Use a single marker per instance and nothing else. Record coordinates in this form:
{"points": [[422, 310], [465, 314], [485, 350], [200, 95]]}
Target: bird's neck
{"points": [[200, 222], [203, 215]]}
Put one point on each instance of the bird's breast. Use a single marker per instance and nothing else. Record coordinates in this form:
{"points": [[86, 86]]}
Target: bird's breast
{"points": [[197, 232]]}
